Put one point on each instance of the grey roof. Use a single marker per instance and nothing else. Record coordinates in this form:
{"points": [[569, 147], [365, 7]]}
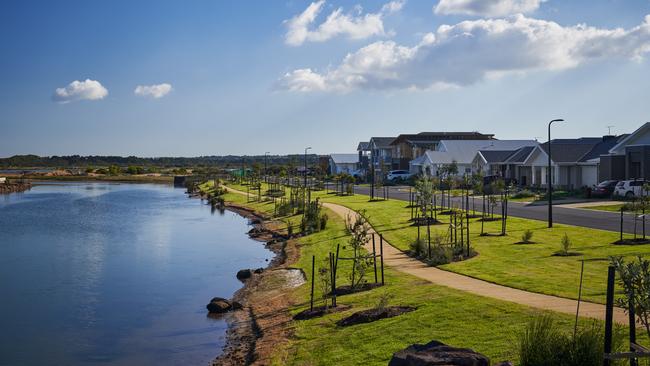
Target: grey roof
{"points": [[428, 143], [382, 142], [520, 155], [571, 150], [639, 133], [363, 146], [603, 147], [345, 158], [437, 136], [496, 156], [464, 151]]}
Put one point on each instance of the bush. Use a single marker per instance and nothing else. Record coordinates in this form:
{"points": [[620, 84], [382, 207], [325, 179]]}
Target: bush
{"points": [[542, 344], [527, 236], [285, 209], [289, 228], [323, 221], [524, 193], [418, 247], [565, 245]]}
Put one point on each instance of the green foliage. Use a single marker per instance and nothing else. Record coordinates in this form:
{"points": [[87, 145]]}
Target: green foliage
{"points": [[565, 245], [312, 220], [524, 193], [543, 344], [132, 169], [359, 231], [418, 247], [634, 276], [527, 236], [114, 170]]}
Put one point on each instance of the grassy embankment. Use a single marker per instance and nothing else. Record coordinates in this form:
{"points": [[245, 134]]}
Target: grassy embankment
{"points": [[454, 317], [531, 267]]}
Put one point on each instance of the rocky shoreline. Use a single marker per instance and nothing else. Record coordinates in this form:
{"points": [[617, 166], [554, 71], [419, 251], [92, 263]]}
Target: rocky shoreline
{"points": [[255, 331], [14, 187]]}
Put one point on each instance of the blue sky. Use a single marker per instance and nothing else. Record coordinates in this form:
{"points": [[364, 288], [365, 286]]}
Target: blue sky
{"points": [[237, 79]]}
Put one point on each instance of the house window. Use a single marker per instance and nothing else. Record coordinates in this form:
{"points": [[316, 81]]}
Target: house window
{"points": [[468, 170]]}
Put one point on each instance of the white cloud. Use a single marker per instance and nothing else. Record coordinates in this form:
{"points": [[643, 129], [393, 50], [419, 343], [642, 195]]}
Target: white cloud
{"points": [[153, 91], [337, 23], [486, 8], [80, 90], [471, 51]]}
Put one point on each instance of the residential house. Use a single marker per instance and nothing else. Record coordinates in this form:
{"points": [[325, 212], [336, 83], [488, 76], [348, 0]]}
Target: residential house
{"points": [[505, 163], [364, 156], [407, 147], [629, 158], [575, 163], [343, 163], [381, 154], [462, 153]]}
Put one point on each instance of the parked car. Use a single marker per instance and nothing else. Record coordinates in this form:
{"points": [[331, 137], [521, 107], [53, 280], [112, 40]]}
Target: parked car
{"points": [[397, 175], [604, 188], [629, 188]]}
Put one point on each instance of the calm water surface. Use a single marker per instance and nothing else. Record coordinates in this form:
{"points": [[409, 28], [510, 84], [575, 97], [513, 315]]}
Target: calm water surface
{"points": [[115, 274]]}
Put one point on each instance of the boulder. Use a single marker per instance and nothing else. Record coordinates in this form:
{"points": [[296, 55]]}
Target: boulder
{"points": [[219, 305], [259, 270], [437, 353], [244, 274]]}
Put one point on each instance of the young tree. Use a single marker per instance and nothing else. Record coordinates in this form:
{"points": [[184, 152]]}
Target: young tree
{"points": [[359, 229]]}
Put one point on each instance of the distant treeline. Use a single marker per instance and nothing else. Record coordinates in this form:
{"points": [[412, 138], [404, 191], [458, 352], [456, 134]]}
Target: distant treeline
{"points": [[228, 161]]}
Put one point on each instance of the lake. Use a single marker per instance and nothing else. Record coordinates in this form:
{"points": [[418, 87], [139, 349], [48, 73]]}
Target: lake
{"points": [[119, 274]]}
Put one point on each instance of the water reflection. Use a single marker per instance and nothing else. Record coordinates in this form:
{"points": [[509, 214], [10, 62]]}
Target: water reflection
{"points": [[115, 273]]}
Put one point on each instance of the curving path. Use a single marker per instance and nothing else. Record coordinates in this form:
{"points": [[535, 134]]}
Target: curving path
{"points": [[397, 259]]}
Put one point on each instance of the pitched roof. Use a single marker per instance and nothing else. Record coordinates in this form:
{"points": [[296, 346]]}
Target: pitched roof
{"points": [[496, 156], [520, 155], [639, 131], [345, 158], [437, 136], [363, 146], [603, 147], [570, 150], [382, 142], [464, 151]]}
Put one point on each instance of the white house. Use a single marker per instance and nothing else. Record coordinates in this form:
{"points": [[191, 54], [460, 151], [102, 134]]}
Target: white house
{"points": [[343, 163], [3, 180], [461, 152]]}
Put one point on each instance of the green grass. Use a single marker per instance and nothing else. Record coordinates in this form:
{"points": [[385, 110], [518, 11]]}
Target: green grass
{"points": [[611, 208], [531, 267], [454, 317]]}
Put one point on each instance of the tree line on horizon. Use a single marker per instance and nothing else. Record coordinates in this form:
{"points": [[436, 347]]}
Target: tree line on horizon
{"points": [[225, 161]]}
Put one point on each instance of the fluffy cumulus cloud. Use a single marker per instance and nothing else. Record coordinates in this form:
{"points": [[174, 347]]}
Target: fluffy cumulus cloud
{"points": [[486, 8], [471, 51], [80, 90], [337, 23], [153, 91]]}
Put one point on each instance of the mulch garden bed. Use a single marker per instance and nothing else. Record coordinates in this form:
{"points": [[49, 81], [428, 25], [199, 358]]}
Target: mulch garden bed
{"points": [[632, 241], [422, 221], [371, 315]]}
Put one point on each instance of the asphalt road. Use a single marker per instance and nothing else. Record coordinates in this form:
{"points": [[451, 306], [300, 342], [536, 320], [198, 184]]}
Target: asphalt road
{"points": [[571, 216]]}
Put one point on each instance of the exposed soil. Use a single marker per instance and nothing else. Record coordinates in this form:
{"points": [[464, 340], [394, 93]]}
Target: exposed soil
{"points": [[255, 333], [489, 219], [525, 242], [569, 254], [371, 315], [319, 311]]}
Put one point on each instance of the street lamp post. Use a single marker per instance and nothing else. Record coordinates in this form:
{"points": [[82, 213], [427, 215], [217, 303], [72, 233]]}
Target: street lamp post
{"points": [[548, 174]]}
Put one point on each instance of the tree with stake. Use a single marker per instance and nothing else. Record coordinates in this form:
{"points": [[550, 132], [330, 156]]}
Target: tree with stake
{"points": [[359, 229]]}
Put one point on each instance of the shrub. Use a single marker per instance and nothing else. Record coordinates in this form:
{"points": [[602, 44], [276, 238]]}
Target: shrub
{"points": [[418, 247], [527, 236], [524, 193], [565, 245], [285, 209], [542, 344], [323, 221], [382, 304]]}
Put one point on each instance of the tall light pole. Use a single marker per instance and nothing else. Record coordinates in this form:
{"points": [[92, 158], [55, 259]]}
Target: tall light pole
{"points": [[548, 174], [307, 148]]}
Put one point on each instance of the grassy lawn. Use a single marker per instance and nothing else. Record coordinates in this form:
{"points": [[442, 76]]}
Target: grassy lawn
{"points": [[611, 208], [454, 317], [531, 267]]}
